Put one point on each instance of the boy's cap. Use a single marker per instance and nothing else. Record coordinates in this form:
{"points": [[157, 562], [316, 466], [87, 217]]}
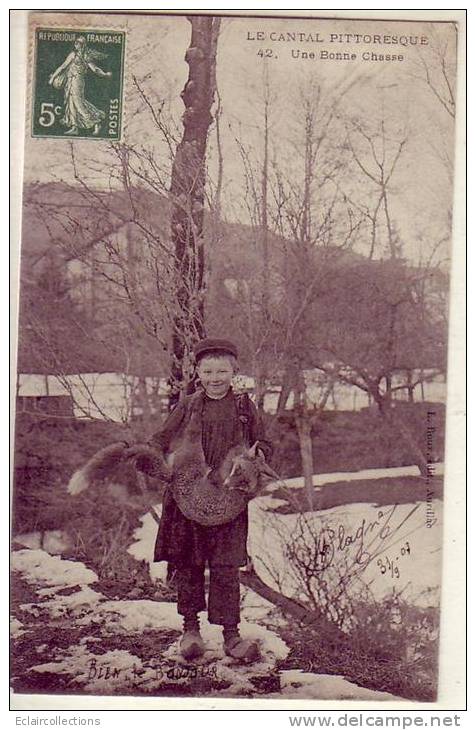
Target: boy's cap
{"points": [[210, 346]]}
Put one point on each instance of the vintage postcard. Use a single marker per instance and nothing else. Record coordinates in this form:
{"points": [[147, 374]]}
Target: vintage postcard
{"points": [[237, 240]]}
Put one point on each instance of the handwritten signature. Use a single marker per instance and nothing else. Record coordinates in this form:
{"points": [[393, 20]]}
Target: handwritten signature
{"points": [[359, 546], [150, 672]]}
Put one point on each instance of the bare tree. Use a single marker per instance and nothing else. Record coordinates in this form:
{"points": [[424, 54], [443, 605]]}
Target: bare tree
{"points": [[382, 325], [437, 68], [187, 190], [376, 155], [117, 243], [318, 227]]}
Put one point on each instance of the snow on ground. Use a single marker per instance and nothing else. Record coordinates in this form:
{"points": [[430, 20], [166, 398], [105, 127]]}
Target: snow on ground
{"points": [[256, 608], [296, 684], [106, 673], [15, 627], [75, 604], [390, 549], [134, 616], [143, 547], [320, 480], [37, 566], [53, 541], [227, 670], [122, 671]]}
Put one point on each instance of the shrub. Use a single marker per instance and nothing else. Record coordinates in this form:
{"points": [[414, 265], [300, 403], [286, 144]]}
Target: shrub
{"points": [[330, 582], [404, 636], [101, 529]]}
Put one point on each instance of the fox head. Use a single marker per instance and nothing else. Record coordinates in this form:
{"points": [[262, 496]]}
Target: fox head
{"points": [[248, 470]]}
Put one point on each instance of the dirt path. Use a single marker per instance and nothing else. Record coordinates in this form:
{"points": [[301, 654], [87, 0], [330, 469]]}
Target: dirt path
{"points": [[68, 638]]}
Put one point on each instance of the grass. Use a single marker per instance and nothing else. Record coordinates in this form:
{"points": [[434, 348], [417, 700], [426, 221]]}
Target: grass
{"points": [[381, 492], [399, 659], [311, 651]]}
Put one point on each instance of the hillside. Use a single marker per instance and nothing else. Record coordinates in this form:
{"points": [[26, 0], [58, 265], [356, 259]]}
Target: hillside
{"points": [[73, 319]]}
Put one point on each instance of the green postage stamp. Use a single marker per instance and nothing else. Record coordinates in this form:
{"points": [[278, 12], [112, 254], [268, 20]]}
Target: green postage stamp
{"points": [[78, 83]]}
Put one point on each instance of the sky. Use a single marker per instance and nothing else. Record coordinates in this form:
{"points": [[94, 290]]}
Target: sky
{"points": [[251, 49]]}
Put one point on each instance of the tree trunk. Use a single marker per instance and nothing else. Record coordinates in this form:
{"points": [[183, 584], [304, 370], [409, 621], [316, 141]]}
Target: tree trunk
{"points": [[410, 387], [303, 426], [264, 212], [399, 428], [297, 611], [284, 394], [187, 191]]}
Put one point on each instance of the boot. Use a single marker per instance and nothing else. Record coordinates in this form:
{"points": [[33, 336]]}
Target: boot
{"points": [[245, 650], [191, 643]]}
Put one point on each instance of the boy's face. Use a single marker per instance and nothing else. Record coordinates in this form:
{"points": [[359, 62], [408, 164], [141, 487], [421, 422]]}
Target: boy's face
{"points": [[215, 375]]}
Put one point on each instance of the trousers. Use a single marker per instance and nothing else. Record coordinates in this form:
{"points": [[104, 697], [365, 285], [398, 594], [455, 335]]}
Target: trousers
{"points": [[223, 593]]}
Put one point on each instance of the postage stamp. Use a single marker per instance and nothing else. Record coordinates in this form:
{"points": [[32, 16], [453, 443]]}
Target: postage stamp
{"points": [[78, 83]]}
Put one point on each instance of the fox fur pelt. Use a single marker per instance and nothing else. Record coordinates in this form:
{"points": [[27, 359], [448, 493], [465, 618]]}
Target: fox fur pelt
{"points": [[105, 462], [205, 495]]}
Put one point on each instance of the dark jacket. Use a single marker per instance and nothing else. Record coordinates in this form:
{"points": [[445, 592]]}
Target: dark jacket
{"points": [[247, 423], [224, 424]]}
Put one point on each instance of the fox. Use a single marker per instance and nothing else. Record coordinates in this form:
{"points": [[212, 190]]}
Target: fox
{"points": [[248, 472], [243, 470], [105, 464]]}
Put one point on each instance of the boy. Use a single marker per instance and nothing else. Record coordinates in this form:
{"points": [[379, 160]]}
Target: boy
{"points": [[226, 420]]}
